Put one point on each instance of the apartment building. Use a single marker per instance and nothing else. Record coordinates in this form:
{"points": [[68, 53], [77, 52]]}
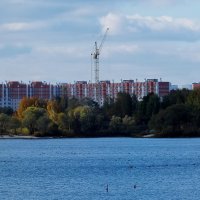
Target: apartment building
{"points": [[12, 92], [195, 86]]}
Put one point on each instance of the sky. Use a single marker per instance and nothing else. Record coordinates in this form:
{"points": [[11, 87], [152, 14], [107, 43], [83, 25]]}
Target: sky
{"points": [[52, 40]]}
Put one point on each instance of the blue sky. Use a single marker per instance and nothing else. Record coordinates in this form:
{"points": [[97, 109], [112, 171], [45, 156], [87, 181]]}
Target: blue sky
{"points": [[51, 40]]}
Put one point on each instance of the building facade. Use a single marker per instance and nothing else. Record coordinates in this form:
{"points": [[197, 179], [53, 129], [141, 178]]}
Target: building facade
{"points": [[12, 92], [195, 86]]}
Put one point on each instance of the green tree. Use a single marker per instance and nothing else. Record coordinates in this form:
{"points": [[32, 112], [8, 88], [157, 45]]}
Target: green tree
{"points": [[63, 122], [79, 114], [85, 120], [14, 124], [6, 110], [53, 129], [115, 124], [74, 115], [134, 104], [149, 106], [89, 102], [42, 124], [153, 105], [108, 108], [128, 124], [62, 103], [194, 99], [73, 103], [174, 121], [123, 105], [53, 109], [4, 121], [31, 115], [175, 97], [88, 122]]}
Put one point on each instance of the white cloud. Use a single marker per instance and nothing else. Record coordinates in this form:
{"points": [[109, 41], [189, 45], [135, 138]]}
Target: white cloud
{"points": [[165, 2], [79, 13], [18, 1], [83, 11], [145, 27], [59, 35], [73, 52], [114, 22], [21, 26], [120, 49], [163, 23]]}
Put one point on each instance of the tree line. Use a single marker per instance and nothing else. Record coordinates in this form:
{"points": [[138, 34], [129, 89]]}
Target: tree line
{"points": [[175, 115]]}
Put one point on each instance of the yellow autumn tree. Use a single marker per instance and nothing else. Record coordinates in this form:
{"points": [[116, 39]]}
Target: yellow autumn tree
{"points": [[29, 102]]}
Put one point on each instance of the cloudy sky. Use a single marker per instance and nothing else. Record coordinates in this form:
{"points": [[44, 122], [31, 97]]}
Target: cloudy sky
{"points": [[52, 40]]}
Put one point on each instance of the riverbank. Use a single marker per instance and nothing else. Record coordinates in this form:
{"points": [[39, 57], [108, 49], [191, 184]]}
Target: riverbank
{"points": [[22, 137], [148, 136], [37, 137]]}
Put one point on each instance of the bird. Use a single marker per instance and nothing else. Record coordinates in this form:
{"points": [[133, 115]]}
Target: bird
{"points": [[107, 188]]}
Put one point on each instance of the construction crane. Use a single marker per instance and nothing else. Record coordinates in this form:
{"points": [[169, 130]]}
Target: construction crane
{"points": [[95, 55]]}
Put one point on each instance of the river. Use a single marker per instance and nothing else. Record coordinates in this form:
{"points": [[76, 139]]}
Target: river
{"points": [[100, 169]]}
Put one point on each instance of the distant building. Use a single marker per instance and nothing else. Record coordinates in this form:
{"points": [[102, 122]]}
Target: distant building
{"points": [[195, 86], [12, 92], [163, 88], [173, 87], [187, 86], [40, 89]]}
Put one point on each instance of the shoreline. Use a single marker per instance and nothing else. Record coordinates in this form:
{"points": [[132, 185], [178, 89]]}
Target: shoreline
{"points": [[36, 137], [23, 137], [29, 137]]}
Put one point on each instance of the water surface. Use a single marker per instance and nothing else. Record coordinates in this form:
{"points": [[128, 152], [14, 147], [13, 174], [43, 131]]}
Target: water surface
{"points": [[82, 168]]}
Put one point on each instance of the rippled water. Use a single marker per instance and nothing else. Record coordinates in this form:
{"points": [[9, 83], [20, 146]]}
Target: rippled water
{"points": [[144, 169]]}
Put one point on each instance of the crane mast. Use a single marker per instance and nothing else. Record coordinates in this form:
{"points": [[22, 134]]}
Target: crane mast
{"points": [[96, 55], [96, 60]]}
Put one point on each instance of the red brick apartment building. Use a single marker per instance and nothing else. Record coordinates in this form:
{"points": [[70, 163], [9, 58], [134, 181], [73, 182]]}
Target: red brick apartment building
{"points": [[195, 86], [12, 92]]}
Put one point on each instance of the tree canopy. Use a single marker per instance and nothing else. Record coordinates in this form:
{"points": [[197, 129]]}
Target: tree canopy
{"points": [[177, 114]]}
